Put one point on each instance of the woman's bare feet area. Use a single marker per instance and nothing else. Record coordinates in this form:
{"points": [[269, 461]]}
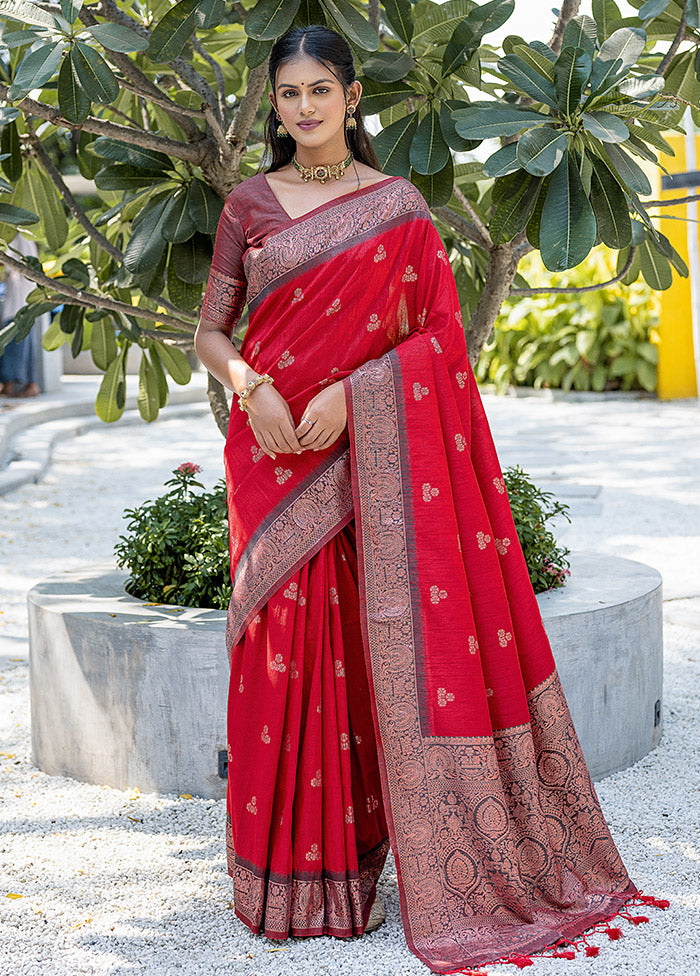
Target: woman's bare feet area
{"points": [[11, 389]]}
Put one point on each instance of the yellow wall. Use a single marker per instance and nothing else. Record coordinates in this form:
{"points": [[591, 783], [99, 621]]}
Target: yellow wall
{"points": [[676, 373]]}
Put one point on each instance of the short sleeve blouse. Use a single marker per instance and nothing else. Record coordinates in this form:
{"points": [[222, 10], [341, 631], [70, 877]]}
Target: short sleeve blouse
{"points": [[225, 294]]}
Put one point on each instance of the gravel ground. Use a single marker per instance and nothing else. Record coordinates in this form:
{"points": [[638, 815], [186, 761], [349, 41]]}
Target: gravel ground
{"points": [[95, 880]]}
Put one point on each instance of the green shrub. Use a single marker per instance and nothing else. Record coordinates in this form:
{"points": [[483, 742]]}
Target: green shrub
{"points": [[600, 340], [177, 550], [177, 547]]}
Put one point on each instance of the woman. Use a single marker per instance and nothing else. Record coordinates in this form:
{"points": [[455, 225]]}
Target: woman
{"points": [[17, 366], [391, 680]]}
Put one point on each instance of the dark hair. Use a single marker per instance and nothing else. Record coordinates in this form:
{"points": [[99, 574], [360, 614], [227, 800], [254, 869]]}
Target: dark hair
{"points": [[331, 49]]}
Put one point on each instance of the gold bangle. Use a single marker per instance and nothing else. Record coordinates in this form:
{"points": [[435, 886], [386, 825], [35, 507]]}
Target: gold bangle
{"points": [[249, 387]]}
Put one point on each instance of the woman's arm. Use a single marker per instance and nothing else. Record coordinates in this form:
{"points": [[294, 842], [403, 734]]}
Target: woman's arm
{"points": [[268, 412]]}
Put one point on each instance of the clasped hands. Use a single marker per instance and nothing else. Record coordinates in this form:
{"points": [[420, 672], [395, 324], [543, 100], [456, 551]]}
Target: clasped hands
{"points": [[273, 425]]}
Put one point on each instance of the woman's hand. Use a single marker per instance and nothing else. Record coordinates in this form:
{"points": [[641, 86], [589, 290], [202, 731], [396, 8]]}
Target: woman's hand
{"points": [[327, 416], [271, 421]]}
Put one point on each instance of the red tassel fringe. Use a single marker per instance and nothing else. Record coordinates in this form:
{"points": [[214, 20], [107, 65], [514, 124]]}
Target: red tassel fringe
{"points": [[600, 928]]}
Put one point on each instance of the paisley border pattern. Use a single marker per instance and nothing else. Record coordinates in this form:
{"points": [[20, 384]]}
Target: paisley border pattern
{"points": [[318, 902], [500, 841], [301, 524], [331, 231]]}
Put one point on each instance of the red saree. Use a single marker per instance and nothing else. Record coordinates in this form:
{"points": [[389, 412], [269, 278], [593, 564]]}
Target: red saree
{"points": [[412, 696]]}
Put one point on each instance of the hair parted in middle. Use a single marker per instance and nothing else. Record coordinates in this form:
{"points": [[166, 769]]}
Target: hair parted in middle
{"points": [[332, 50]]}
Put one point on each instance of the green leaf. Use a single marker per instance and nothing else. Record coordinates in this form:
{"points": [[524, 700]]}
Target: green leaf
{"points": [[118, 37], [47, 203], [465, 39], [393, 145], [604, 76], [656, 269], [173, 31], [148, 396], [103, 343], [71, 9], [504, 161], [388, 65], [376, 97], [26, 13], [73, 102], [652, 8], [210, 13], [270, 18], [581, 32], [610, 207], [429, 152], [568, 228], [111, 397], [177, 222], [125, 177], [437, 187], [634, 269], [18, 216], [36, 68], [605, 13], [536, 60], [486, 120], [669, 251], [10, 144], [94, 74], [54, 337], [124, 152], [398, 13], [146, 245], [204, 207], [191, 259], [514, 197], [447, 124], [628, 170], [571, 72], [351, 23], [540, 150], [528, 79], [175, 361], [181, 293], [625, 44], [256, 52], [605, 126], [163, 393], [642, 86], [692, 13]]}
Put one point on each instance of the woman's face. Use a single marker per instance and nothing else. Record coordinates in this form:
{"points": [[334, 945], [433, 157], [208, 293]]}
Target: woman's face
{"points": [[306, 90]]}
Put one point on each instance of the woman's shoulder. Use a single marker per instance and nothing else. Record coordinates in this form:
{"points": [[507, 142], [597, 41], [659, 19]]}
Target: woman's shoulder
{"points": [[247, 189]]}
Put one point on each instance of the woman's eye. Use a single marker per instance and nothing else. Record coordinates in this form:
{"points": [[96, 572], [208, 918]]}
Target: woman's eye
{"points": [[290, 92]]}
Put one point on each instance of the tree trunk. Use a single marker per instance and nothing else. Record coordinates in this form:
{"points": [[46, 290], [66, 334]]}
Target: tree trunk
{"points": [[501, 272]]}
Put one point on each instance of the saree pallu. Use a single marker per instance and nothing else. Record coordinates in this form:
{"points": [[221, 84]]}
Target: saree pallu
{"points": [[500, 843]]}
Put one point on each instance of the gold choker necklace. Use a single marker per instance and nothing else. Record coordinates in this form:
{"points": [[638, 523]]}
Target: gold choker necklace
{"points": [[322, 173]]}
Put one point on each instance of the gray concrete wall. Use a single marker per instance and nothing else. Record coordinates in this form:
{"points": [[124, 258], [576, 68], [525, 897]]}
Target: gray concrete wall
{"points": [[126, 694]]}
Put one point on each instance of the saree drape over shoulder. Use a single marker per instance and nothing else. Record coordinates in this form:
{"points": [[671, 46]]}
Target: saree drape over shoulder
{"points": [[391, 679]]}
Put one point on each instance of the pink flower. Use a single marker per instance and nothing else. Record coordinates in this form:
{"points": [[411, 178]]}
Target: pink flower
{"points": [[188, 467]]}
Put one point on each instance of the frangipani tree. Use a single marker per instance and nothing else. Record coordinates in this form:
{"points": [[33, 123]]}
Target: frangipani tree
{"points": [[163, 106]]}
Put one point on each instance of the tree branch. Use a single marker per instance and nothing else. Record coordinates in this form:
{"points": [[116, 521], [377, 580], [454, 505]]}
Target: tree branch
{"points": [[68, 197], [91, 300], [675, 44], [373, 14], [216, 68], [237, 134], [476, 219], [574, 290], [459, 224], [567, 12], [500, 273], [146, 88], [195, 153], [673, 202]]}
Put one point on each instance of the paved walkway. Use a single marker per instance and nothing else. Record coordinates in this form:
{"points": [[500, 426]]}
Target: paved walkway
{"points": [[117, 883]]}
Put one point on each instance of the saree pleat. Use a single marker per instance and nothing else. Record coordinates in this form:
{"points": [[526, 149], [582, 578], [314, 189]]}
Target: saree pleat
{"points": [[307, 832]]}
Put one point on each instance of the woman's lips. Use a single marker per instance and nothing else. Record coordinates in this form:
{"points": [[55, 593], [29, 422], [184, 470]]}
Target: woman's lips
{"points": [[308, 125]]}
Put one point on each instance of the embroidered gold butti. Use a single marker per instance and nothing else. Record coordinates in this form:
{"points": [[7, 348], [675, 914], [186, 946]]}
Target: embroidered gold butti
{"points": [[499, 839]]}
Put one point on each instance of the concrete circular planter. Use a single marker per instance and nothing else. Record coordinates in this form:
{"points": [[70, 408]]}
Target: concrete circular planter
{"points": [[126, 694]]}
